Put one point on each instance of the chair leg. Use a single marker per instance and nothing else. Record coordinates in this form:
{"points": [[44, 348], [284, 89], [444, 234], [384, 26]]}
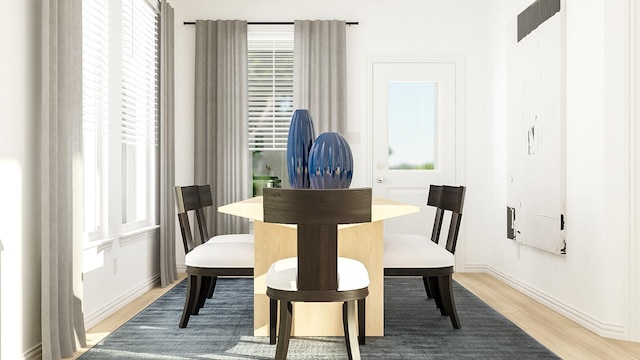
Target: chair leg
{"points": [[212, 286], [284, 332], [349, 322], [195, 310], [427, 287], [206, 288], [435, 292], [190, 300], [446, 292], [362, 324], [273, 315], [204, 285]]}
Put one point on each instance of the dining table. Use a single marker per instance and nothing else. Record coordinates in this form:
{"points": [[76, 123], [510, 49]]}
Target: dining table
{"points": [[363, 242]]}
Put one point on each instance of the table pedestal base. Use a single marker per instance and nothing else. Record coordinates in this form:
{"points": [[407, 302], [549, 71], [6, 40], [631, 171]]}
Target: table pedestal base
{"points": [[363, 242]]}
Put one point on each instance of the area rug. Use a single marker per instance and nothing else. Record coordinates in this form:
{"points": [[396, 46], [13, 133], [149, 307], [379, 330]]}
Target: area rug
{"points": [[414, 329]]}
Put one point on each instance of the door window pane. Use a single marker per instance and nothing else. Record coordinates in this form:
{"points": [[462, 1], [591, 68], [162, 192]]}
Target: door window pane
{"points": [[412, 112]]}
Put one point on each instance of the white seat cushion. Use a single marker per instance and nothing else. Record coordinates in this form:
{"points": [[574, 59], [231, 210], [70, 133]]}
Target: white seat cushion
{"points": [[232, 238], [414, 251], [221, 254], [283, 275]]}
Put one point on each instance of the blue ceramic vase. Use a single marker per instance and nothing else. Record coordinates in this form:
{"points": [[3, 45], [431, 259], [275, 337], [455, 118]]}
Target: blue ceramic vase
{"points": [[299, 141], [330, 162]]}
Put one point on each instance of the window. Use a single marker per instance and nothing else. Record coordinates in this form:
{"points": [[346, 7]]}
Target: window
{"points": [[270, 89], [120, 116], [95, 111], [412, 110], [140, 93], [270, 56]]}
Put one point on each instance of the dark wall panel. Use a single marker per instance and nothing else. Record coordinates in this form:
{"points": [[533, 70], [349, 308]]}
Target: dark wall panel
{"points": [[536, 14]]}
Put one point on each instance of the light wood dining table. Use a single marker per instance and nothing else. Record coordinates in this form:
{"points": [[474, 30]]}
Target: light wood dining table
{"points": [[363, 242]]}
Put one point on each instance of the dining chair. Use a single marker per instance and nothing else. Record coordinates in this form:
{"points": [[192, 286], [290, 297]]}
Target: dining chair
{"points": [[205, 260], [317, 273], [417, 255]]}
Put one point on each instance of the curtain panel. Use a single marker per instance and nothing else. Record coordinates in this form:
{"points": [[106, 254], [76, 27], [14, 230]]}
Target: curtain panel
{"points": [[168, 270], [320, 72], [221, 152], [61, 172]]}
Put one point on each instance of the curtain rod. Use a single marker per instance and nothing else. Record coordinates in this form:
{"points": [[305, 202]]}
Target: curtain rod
{"points": [[269, 23]]}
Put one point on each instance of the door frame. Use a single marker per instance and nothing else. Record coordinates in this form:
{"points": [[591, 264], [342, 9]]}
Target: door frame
{"points": [[458, 61]]}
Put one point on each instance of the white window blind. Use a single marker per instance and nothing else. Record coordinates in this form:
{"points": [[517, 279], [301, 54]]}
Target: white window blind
{"points": [[140, 108], [120, 83], [95, 107], [140, 85], [270, 57]]}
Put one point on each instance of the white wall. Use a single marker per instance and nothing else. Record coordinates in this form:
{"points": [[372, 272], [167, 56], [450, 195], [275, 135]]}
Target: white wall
{"points": [[19, 179], [634, 160], [591, 283], [118, 271]]}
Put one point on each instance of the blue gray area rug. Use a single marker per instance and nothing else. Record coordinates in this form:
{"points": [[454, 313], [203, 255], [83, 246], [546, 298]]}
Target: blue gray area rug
{"points": [[414, 329]]}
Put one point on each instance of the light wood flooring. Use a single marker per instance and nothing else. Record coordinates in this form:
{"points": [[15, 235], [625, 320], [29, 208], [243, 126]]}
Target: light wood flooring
{"points": [[563, 336]]}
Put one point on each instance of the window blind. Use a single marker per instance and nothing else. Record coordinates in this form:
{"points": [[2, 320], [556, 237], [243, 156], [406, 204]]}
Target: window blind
{"points": [[270, 77], [95, 108], [95, 67], [140, 85]]}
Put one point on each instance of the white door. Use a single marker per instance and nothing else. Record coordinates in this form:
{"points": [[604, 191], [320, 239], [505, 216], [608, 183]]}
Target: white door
{"points": [[414, 136]]}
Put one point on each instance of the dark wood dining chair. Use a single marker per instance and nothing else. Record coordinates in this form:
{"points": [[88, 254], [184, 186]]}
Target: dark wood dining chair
{"points": [[205, 260], [318, 274], [417, 255]]}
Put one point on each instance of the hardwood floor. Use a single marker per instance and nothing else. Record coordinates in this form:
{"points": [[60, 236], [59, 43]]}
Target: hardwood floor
{"points": [[563, 336], [111, 323]]}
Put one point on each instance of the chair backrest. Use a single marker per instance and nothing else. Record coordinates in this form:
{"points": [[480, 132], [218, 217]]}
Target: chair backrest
{"points": [[193, 198], [435, 191], [447, 198], [317, 214]]}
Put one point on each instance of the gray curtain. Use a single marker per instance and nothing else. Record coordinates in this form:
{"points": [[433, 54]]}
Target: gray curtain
{"points": [[221, 118], [168, 271], [61, 141], [320, 73]]}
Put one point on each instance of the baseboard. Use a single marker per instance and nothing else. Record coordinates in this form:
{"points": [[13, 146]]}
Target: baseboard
{"points": [[91, 320], [603, 329], [182, 268], [35, 353], [474, 268]]}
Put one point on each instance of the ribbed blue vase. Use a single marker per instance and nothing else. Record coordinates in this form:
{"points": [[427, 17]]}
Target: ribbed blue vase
{"points": [[299, 141], [330, 162]]}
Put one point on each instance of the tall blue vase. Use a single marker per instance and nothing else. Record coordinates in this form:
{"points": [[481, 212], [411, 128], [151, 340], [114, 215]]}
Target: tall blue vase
{"points": [[330, 162], [299, 141]]}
